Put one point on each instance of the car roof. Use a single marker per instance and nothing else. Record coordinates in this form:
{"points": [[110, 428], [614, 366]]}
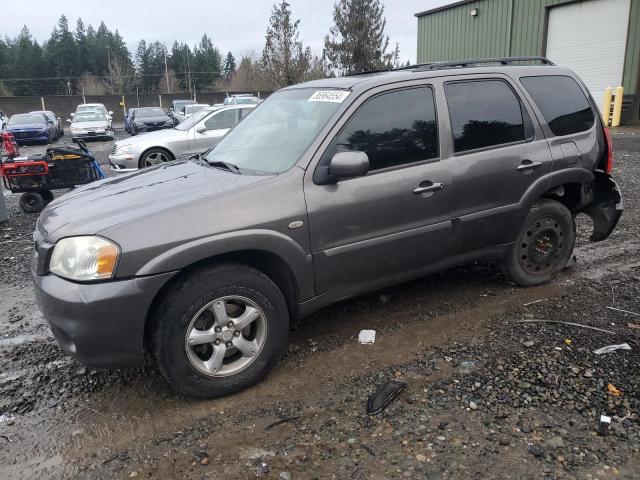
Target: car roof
{"points": [[368, 80]]}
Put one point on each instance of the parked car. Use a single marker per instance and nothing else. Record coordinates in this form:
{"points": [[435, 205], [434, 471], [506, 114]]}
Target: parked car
{"points": [[187, 110], [54, 118], [176, 107], [32, 127], [91, 125], [148, 119], [242, 99], [127, 119], [195, 135], [330, 189], [94, 107], [4, 119]]}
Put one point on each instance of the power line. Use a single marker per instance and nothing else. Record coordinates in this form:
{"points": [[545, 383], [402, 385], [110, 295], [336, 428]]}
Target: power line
{"points": [[106, 77]]}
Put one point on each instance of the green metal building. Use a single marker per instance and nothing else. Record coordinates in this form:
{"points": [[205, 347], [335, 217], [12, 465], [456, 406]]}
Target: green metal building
{"points": [[598, 39]]}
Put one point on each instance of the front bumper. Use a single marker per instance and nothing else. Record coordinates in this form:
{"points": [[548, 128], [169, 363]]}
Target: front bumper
{"points": [[151, 128], [93, 135], [32, 137], [123, 162], [101, 324]]}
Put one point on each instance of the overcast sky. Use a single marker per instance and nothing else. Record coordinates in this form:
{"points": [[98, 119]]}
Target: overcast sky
{"points": [[237, 25]]}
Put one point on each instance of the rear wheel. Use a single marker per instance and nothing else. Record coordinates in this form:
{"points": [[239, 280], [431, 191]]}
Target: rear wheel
{"points": [[219, 330], [31, 202], [544, 245], [155, 156]]}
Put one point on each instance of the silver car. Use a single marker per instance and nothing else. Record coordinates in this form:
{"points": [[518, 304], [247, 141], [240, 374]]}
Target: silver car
{"points": [[91, 124], [196, 134]]}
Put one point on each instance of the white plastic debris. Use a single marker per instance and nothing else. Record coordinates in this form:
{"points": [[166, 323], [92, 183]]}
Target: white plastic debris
{"points": [[367, 337], [612, 348]]}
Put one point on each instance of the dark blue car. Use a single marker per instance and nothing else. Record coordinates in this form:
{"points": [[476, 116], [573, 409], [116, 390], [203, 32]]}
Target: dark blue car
{"points": [[32, 127], [128, 120]]}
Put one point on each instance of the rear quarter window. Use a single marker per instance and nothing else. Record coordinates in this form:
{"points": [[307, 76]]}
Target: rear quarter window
{"points": [[562, 102]]}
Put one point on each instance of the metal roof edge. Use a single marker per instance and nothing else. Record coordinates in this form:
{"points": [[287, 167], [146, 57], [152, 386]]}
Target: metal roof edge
{"points": [[443, 7]]}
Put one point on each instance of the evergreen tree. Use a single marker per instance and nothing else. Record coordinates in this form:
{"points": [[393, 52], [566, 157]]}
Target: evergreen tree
{"points": [[229, 67], [284, 58], [357, 41], [207, 63]]}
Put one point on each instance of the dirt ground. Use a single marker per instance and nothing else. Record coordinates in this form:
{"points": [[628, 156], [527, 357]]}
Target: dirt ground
{"points": [[487, 395]]}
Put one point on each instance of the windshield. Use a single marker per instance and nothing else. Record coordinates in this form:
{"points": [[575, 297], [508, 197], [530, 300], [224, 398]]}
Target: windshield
{"points": [[89, 117], [193, 119], [194, 108], [24, 119], [150, 112], [277, 133], [89, 108]]}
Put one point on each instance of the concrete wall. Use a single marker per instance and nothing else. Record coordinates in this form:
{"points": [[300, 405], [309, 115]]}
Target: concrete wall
{"points": [[64, 105]]}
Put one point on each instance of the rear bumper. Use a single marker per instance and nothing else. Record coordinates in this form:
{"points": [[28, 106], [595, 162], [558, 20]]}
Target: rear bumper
{"points": [[101, 324], [606, 208]]}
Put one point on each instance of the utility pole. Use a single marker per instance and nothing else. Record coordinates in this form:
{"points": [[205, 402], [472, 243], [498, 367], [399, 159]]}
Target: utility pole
{"points": [[166, 70], [109, 60], [189, 70]]}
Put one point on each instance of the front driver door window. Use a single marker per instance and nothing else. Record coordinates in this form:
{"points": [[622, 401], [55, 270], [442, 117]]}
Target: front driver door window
{"points": [[216, 126]]}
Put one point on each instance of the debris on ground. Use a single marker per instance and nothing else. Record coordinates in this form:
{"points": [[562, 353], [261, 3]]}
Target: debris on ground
{"points": [[612, 348], [624, 311], [367, 337], [613, 390], [382, 397]]}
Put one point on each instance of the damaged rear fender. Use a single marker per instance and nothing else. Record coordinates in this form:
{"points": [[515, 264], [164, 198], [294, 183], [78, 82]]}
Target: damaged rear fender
{"points": [[606, 208]]}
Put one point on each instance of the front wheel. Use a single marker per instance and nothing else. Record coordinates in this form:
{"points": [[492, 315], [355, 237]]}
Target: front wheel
{"points": [[31, 202], [155, 156], [544, 245], [219, 330]]}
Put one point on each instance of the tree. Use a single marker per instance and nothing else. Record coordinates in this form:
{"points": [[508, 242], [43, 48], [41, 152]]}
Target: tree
{"points": [[284, 59], [207, 63], [92, 85], [229, 66], [122, 76], [172, 86], [357, 41]]}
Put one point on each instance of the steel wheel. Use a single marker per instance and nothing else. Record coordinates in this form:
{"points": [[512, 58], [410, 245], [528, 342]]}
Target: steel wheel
{"points": [[226, 336], [155, 158], [541, 246]]}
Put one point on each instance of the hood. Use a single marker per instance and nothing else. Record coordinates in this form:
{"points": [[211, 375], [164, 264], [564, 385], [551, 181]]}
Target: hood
{"points": [[90, 125], [159, 118], [26, 126], [95, 207], [160, 135]]}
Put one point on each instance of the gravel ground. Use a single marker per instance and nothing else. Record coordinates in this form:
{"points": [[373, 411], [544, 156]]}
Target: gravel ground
{"points": [[487, 396]]}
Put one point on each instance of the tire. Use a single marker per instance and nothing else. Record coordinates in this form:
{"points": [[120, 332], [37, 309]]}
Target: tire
{"points": [[47, 196], [154, 156], [31, 202], [189, 305], [544, 245]]}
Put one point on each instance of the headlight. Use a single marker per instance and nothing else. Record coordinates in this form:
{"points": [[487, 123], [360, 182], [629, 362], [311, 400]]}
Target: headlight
{"points": [[84, 258], [123, 149]]}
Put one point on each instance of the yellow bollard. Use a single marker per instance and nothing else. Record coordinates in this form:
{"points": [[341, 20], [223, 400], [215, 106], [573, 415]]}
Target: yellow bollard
{"points": [[606, 106], [617, 107]]}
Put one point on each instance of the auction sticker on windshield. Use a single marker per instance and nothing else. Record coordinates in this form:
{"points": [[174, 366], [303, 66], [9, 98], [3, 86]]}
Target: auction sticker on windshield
{"points": [[333, 96]]}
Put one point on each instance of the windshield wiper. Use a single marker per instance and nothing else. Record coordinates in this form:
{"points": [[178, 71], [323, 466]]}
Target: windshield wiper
{"points": [[229, 166]]}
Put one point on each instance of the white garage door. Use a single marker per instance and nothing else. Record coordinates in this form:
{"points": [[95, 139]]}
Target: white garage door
{"points": [[590, 38]]}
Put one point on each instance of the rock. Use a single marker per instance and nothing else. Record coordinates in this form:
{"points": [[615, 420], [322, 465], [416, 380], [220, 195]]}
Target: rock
{"points": [[536, 451], [420, 457], [555, 442], [529, 343], [441, 438], [251, 453], [285, 476], [526, 428], [473, 405], [204, 461], [133, 474]]}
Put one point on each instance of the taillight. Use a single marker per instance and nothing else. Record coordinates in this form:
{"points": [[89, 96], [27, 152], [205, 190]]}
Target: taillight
{"points": [[608, 168]]}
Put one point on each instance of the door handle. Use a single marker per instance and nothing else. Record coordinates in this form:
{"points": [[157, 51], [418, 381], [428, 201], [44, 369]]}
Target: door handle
{"points": [[434, 187], [528, 165]]}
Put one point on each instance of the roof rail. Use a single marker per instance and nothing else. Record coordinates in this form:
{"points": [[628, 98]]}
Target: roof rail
{"points": [[387, 69], [482, 61]]}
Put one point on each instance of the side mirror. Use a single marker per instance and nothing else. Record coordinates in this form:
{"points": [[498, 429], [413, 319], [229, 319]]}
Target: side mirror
{"points": [[349, 164], [201, 129], [69, 120]]}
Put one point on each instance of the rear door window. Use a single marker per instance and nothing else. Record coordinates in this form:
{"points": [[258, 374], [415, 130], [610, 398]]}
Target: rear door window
{"points": [[563, 104], [484, 113], [392, 128]]}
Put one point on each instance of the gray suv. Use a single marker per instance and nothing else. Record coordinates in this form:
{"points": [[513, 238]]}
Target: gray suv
{"points": [[329, 189]]}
